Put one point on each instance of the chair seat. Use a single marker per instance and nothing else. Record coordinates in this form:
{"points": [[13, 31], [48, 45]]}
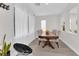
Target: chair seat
{"points": [[42, 39], [55, 40]]}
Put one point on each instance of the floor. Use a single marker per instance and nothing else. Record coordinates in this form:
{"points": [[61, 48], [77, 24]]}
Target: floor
{"points": [[47, 51]]}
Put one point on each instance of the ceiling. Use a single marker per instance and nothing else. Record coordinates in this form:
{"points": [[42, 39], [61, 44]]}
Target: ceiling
{"points": [[49, 9]]}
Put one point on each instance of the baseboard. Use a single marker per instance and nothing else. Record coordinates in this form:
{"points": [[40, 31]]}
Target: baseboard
{"points": [[70, 47]]}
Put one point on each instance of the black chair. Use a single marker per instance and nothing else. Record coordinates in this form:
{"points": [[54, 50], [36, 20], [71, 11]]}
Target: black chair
{"points": [[22, 49]]}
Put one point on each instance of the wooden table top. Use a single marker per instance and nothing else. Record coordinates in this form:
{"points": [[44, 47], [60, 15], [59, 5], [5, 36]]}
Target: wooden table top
{"points": [[50, 36]]}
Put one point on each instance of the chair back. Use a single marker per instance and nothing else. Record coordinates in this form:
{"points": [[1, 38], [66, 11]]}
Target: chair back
{"points": [[39, 32], [56, 32]]}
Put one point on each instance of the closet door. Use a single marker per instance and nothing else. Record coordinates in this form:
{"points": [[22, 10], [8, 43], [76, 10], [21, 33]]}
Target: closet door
{"points": [[21, 28], [31, 24]]}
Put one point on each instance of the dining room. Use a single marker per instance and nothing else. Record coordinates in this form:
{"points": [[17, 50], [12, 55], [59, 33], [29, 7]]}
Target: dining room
{"points": [[48, 40], [48, 37]]}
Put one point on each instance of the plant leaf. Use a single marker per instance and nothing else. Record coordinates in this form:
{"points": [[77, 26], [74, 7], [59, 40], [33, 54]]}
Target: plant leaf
{"points": [[8, 47]]}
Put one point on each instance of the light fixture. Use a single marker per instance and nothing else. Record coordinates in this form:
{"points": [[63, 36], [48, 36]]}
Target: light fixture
{"points": [[4, 6], [46, 3], [38, 4]]}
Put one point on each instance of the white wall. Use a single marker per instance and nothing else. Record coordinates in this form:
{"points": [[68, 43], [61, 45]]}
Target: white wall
{"points": [[51, 20], [69, 38], [6, 23], [22, 14], [20, 23], [73, 15], [31, 23], [64, 18]]}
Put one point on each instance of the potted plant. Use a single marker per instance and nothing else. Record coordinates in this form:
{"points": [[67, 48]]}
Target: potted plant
{"points": [[6, 48]]}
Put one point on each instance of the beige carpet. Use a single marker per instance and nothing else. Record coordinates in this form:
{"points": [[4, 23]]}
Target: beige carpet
{"points": [[47, 51]]}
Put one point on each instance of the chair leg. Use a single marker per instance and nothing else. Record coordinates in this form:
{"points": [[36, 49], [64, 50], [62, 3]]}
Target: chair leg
{"points": [[57, 44], [39, 42]]}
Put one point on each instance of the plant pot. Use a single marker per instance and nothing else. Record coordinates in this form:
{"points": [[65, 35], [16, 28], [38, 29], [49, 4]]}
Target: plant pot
{"points": [[8, 53]]}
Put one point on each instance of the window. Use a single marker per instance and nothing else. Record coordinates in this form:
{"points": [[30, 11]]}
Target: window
{"points": [[73, 23], [43, 25], [69, 23]]}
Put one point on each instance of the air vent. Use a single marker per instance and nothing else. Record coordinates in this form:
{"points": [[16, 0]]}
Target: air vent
{"points": [[37, 4], [2, 5]]}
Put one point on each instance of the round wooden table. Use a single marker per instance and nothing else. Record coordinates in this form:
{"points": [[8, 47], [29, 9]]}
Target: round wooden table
{"points": [[48, 38]]}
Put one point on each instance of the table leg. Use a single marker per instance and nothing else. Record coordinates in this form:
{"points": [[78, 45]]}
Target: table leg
{"points": [[39, 42], [48, 43], [57, 44], [51, 45], [45, 44]]}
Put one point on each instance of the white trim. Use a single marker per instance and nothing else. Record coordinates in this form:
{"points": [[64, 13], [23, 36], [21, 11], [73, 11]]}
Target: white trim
{"points": [[70, 46]]}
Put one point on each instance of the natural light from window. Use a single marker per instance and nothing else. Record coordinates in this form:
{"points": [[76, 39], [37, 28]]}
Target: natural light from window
{"points": [[43, 25]]}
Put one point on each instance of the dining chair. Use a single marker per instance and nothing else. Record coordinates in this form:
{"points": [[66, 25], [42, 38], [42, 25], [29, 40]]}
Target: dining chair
{"points": [[57, 33], [40, 32]]}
